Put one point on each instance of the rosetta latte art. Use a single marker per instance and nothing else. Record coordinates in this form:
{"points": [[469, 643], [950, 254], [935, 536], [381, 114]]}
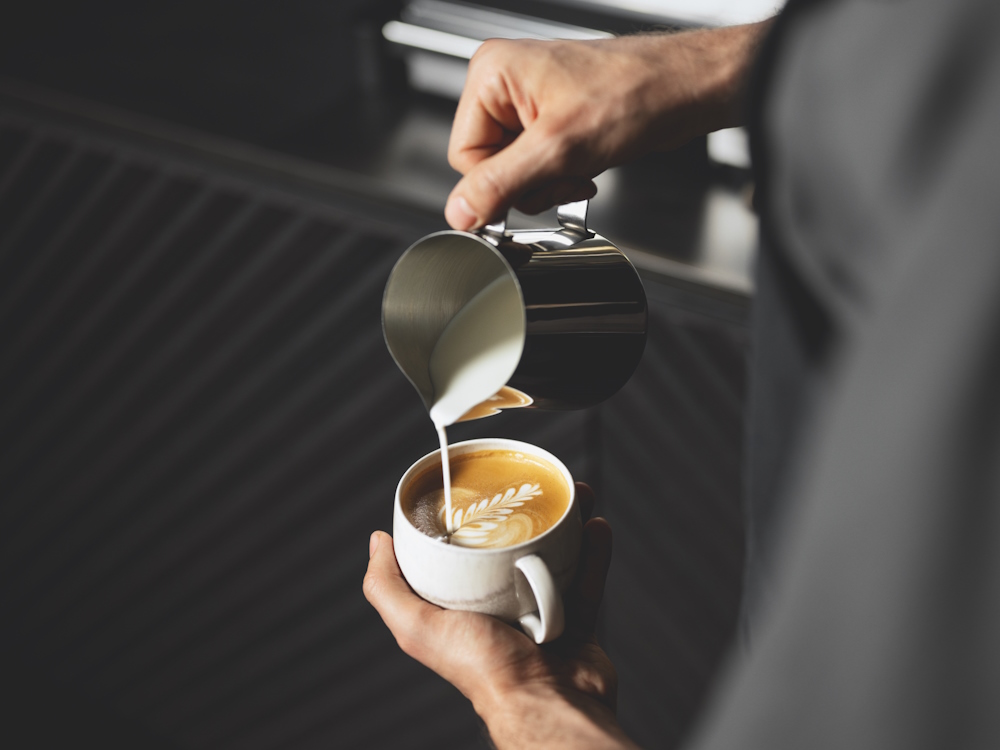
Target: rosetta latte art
{"points": [[499, 498], [495, 521]]}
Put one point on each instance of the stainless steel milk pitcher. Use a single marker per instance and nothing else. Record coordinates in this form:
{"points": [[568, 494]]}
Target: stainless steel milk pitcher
{"points": [[584, 307]]}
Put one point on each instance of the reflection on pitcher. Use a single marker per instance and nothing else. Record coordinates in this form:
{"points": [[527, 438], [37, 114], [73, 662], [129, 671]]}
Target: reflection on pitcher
{"points": [[505, 398]]}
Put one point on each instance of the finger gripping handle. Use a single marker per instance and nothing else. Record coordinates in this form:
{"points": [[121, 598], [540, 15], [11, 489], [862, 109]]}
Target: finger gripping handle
{"points": [[547, 623], [572, 218]]}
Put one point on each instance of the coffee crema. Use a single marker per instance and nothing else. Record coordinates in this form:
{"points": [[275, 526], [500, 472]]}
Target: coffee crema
{"points": [[505, 398], [499, 498]]}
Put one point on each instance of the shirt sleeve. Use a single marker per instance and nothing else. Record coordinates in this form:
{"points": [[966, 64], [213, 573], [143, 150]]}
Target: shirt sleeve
{"points": [[882, 629]]}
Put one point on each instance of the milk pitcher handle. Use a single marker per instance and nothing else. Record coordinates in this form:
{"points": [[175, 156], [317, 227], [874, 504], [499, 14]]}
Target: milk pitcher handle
{"points": [[572, 218], [547, 623]]}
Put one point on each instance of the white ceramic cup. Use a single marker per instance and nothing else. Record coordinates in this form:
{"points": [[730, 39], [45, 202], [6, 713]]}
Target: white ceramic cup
{"points": [[523, 583]]}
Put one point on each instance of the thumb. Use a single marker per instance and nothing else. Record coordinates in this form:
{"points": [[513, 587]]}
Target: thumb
{"points": [[496, 183], [405, 613]]}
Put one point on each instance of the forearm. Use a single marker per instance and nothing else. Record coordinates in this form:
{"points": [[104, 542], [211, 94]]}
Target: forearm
{"points": [[726, 57], [695, 81], [551, 720]]}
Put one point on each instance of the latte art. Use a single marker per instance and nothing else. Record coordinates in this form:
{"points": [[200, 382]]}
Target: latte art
{"points": [[499, 498], [498, 520]]}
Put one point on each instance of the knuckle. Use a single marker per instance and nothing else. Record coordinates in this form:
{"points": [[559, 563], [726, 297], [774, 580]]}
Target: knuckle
{"points": [[489, 192], [422, 625], [496, 54], [561, 157], [406, 643], [557, 157], [610, 678], [568, 150], [371, 586], [599, 676], [493, 185], [488, 50], [560, 142], [409, 642], [605, 683], [459, 159]]}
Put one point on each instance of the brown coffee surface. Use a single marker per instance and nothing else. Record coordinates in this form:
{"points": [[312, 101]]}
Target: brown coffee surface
{"points": [[499, 498], [505, 398]]}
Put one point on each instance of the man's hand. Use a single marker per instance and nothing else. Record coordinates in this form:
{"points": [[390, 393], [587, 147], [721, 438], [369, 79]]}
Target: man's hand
{"points": [[558, 695], [537, 121]]}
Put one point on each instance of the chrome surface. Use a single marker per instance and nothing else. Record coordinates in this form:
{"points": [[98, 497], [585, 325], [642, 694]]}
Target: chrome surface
{"points": [[430, 283], [584, 303]]}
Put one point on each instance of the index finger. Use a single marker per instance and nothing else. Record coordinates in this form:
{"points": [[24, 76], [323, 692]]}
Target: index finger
{"points": [[586, 497], [486, 120]]}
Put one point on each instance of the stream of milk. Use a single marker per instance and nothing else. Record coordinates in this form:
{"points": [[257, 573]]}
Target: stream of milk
{"points": [[474, 358]]}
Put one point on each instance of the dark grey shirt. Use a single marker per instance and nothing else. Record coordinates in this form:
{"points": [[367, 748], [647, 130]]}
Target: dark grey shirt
{"points": [[874, 482]]}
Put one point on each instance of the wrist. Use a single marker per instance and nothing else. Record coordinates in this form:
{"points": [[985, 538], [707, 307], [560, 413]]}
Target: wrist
{"points": [[546, 717], [713, 68], [728, 71]]}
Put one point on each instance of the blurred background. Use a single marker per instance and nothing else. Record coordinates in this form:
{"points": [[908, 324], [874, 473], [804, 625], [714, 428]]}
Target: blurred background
{"points": [[200, 425]]}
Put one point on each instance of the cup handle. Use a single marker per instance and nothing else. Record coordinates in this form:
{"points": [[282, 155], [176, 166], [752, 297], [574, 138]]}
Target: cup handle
{"points": [[547, 623]]}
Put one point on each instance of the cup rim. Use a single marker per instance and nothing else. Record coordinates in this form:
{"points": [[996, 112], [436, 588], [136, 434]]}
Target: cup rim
{"points": [[468, 446]]}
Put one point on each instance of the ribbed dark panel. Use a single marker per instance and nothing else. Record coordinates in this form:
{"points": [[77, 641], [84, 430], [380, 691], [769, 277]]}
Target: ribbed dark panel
{"points": [[672, 451], [200, 425]]}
